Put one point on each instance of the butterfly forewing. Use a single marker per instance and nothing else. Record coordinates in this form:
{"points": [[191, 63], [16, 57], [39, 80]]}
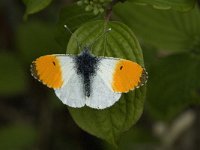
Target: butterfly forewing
{"points": [[121, 75], [47, 69]]}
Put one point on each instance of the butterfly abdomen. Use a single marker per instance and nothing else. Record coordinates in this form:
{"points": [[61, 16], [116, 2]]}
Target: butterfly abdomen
{"points": [[86, 65]]}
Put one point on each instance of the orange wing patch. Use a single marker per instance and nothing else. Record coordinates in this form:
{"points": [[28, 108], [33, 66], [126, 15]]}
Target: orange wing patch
{"points": [[127, 76], [47, 69]]}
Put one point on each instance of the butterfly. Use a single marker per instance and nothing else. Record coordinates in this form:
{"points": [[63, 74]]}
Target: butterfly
{"points": [[86, 79]]}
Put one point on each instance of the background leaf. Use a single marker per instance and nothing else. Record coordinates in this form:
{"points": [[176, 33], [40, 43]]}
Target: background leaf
{"points": [[181, 5], [173, 85], [138, 138], [166, 30], [109, 123], [12, 78], [34, 6], [73, 16], [17, 137], [35, 39]]}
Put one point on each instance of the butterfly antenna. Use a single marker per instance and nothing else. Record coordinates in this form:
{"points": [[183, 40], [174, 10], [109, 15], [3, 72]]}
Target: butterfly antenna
{"points": [[68, 29], [91, 44]]}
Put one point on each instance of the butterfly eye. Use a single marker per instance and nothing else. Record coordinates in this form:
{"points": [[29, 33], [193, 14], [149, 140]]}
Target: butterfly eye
{"points": [[121, 67]]}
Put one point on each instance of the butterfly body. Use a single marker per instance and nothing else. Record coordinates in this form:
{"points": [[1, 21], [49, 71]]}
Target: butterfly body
{"points": [[86, 65], [85, 79]]}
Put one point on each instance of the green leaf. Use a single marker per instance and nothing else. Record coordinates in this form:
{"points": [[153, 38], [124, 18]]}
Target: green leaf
{"points": [[173, 85], [12, 77], [73, 16], [137, 138], [17, 137], [181, 5], [166, 30], [34, 6], [34, 39], [110, 123]]}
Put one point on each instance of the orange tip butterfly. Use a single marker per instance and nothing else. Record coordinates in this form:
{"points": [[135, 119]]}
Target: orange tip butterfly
{"points": [[85, 79]]}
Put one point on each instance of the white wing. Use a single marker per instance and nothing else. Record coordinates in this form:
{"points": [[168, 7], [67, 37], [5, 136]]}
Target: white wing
{"points": [[102, 94], [106, 70], [71, 93]]}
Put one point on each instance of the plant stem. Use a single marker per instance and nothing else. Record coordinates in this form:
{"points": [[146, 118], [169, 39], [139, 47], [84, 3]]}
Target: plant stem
{"points": [[109, 9]]}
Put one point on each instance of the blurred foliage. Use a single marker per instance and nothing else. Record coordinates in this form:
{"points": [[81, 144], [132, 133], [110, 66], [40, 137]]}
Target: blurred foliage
{"points": [[33, 6], [181, 88], [181, 5], [96, 6], [31, 117], [19, 136], [12, 84], [164, 29], [135, 139], [36, 38]]}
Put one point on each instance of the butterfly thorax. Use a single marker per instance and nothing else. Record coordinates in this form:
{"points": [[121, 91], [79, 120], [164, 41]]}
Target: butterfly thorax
{"points": [[86, 65]]}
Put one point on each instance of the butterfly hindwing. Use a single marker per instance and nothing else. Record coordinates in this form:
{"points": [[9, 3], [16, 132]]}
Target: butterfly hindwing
{"points": [[101, 95], [72, 93]]}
